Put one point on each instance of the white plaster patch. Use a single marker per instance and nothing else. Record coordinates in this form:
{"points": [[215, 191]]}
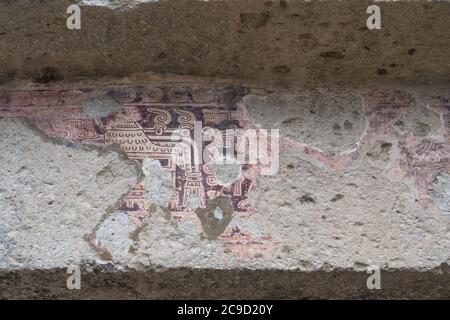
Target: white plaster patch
{"points": [[218, 214], [226, 170], [52, 196], [100, 108], [157, 182], [114, 234]]}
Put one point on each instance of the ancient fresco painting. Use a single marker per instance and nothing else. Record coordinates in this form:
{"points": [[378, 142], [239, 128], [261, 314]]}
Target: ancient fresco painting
{"points": [[147, 117], [143, 127]]}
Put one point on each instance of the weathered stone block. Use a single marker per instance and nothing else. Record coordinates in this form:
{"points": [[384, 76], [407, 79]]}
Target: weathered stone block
{"points": [[104, 178]]}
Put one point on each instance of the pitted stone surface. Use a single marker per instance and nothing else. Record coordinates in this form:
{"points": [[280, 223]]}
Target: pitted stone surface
{"points": [[330, 122], [440, 192], [291, 44], [157, 182], [347, 219], [163, 245], [372, 194], [101, 107], [114, 234], [50, 201], [226, 170], [424, 123], [364, 172]]}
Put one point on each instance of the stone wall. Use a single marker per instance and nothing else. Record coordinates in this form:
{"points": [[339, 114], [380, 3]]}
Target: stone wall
{"points": [[362, 179], [111, 142]]}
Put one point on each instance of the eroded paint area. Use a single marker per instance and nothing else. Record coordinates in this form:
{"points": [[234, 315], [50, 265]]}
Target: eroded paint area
{"points": [[407, 136], [412, 136], [153, 123]]}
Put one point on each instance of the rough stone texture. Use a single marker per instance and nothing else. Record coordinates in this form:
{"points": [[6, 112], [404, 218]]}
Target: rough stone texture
{"points": [[100, 107], [53, 196], [191, 283], [114, 234], [364, 163], [330, 122], [227, 170], [157, 182], [374, 193], [347, 219], [440, 192], [283, 43]]}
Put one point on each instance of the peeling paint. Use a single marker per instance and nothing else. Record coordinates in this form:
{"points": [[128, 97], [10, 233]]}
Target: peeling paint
{"points": [[50, 199], [157, 182], [148, 115], [142, 127], [100, 107], [227, 170]]}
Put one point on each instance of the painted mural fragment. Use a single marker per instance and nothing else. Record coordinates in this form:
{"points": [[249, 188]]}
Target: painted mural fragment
{"points": [[151, 123], [158, 122]]}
